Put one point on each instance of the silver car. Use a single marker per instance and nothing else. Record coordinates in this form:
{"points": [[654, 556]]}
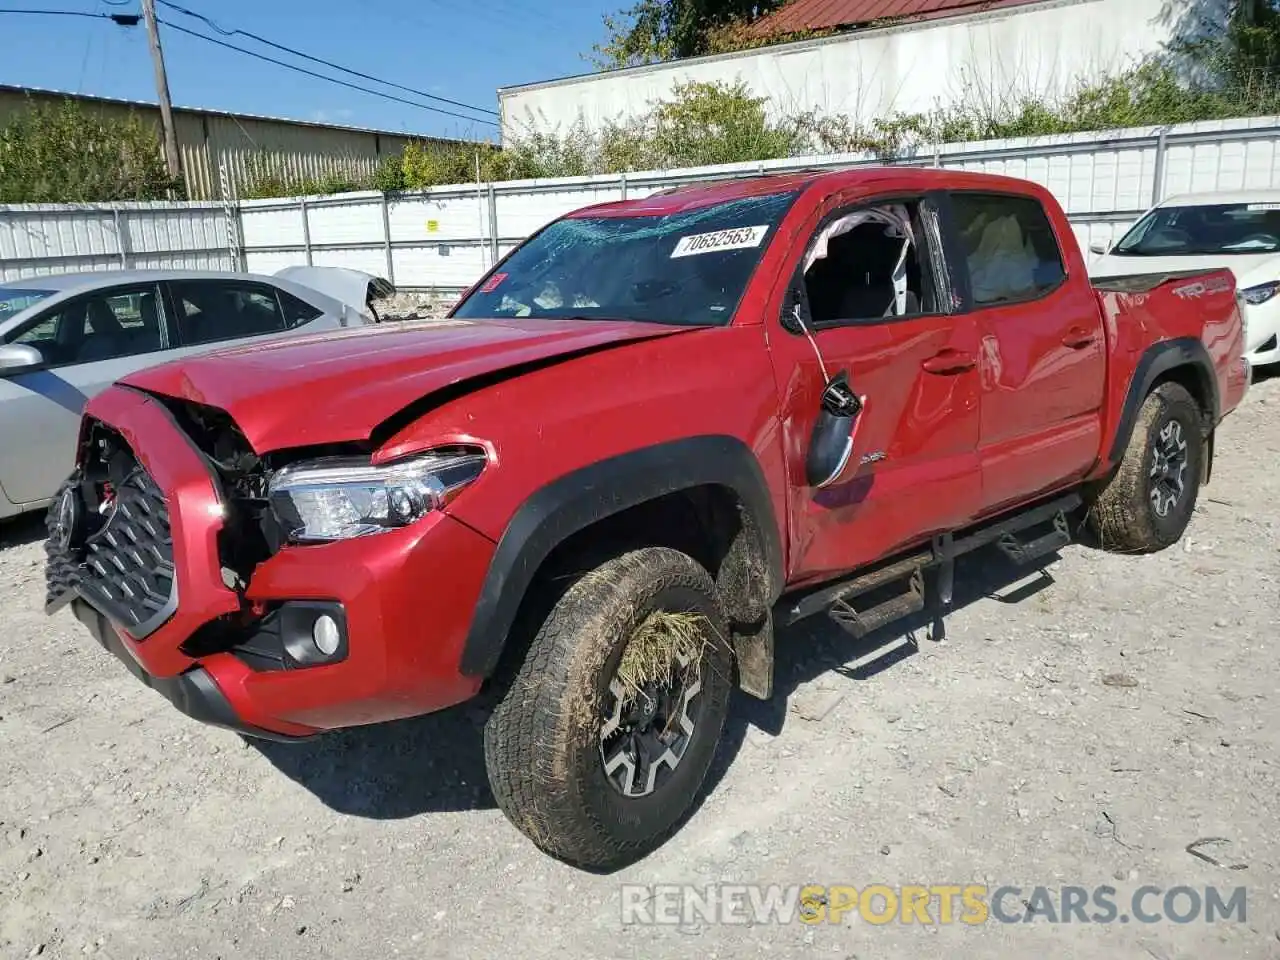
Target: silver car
{"points": [[65, 337]]}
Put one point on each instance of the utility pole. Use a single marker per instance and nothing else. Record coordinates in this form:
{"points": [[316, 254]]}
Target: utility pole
{"points": [[172, 158]]}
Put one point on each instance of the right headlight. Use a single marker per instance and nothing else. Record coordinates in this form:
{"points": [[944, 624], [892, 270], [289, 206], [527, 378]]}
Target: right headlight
{"points": [[1261, 293], [339, 498]]}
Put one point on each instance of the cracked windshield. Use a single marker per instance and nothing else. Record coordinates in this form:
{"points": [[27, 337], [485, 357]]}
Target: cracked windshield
{"points": [[689, 267]]}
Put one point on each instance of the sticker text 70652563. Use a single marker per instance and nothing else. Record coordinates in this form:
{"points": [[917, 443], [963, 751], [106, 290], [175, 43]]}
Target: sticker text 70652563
{"points": [[736, 238]]}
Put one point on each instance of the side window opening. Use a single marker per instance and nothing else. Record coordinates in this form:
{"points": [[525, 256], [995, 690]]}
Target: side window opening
{"points": [[869, 265], [214, 310], [296, 311], [101, 327], [1009, 245]]}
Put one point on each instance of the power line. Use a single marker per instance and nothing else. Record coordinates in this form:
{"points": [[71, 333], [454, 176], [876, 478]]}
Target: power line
{"points": [[320, 76], [119, 19], [56, 13], [323, 62]]}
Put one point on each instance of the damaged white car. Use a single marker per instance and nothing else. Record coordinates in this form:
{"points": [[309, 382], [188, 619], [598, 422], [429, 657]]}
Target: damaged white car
{"points": [[64, 337], [1237, 231]]}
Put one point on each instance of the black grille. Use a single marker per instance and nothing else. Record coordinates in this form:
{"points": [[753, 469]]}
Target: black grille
{"points": [[127, 567]]}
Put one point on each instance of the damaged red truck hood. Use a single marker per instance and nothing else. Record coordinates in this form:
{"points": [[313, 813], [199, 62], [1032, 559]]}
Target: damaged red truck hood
{"points": [[339, 386]]}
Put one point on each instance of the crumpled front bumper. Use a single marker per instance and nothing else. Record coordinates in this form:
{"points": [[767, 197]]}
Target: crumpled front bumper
{"points": [[405, 597], [194, 692]]}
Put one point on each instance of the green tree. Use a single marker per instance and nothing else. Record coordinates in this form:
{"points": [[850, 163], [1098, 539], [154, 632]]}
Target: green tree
{"points": [[1254, 37], [65, 154], [655, 30]]}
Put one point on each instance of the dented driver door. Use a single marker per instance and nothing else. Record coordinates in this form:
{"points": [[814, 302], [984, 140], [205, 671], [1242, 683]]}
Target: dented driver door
{"points": [[913, 470]]}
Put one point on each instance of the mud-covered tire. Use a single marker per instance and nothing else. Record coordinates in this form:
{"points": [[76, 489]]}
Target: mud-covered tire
{"points": [[61, 575], [1124, 517], [542, 744]]}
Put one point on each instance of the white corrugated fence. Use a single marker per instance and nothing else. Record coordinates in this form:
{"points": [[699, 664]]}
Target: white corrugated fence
{"points": [[57, 238], [443, 239]]}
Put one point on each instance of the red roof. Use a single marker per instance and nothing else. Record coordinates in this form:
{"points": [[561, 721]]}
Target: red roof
{"points": [[825, 14]]}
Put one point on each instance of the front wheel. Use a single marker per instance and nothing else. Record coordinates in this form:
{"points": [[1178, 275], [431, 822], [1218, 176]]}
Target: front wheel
{"points": [[602, 743], [1148, 502]]}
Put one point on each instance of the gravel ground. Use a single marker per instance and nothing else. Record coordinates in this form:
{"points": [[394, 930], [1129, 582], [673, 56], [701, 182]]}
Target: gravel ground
{"points": [[1078, 726], [413, 306]]}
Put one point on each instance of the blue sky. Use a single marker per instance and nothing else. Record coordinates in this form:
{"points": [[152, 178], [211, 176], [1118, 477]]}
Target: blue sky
{"points": [[459, 49]]}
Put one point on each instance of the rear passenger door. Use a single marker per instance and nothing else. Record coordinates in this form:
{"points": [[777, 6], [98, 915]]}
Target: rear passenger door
{"points": [[88, 343], [1043, 355]]}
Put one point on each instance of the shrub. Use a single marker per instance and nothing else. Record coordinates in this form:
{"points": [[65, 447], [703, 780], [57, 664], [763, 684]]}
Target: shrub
{"points": [[266, 175], [60, 153]]}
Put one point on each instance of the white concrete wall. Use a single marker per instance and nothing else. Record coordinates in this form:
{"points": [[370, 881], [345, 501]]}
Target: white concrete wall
{"points": [[1041, 51]]}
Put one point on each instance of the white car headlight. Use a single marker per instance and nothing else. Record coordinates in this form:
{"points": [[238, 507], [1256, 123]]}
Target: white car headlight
{"points": [[338, 498], [1261, 293]]}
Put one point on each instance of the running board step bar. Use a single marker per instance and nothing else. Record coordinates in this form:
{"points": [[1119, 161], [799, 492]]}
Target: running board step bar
{"points": [[859, 622], [896, 589], [1024, 551]]}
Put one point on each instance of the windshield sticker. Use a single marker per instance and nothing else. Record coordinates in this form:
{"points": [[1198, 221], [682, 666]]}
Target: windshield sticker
{"points": [[493, 283], [1263, 207], [737, 238]]}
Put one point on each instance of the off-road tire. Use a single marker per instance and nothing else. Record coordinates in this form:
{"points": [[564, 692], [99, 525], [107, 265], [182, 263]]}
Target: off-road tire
{"points": [[62, 576], [1123, 517], [542, 742]]}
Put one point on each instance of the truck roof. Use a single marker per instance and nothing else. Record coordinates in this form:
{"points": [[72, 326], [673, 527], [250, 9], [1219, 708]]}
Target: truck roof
{"points": [[705, 193]]}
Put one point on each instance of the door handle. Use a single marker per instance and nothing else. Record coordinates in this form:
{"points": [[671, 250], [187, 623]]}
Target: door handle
{"points": [[950, 361], [1078, 337]]}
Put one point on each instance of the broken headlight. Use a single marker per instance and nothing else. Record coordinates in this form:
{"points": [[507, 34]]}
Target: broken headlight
{"points": [[338, 498], [1261, 293]]}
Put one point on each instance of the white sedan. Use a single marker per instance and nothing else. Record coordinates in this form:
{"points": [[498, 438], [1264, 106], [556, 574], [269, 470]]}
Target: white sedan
{"points": [[1239, 231], [65, 337]]}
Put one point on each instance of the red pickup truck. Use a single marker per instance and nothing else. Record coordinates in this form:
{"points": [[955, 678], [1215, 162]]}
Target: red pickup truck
{"points": [[656, 431]]}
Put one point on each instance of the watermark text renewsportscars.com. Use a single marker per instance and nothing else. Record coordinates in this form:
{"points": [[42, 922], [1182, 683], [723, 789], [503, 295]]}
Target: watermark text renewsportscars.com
{"points": [[942, 904]]}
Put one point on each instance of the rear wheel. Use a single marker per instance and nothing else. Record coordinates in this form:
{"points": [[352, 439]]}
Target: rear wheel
{"points": [[1148, 502], [601, 744]]}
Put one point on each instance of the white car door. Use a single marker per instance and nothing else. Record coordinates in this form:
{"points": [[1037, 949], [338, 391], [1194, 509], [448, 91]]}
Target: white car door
{"points": [[88, 343]]}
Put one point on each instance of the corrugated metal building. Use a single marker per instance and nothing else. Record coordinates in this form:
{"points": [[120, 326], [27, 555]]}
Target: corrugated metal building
{"points": [[291, 149], [891, 57]]}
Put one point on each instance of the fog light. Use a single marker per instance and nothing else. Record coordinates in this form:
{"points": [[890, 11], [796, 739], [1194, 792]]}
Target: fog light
{"points": [[326, 635], [314, 633]]}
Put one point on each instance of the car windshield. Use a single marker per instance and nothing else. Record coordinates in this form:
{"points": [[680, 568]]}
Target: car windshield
{"points": [[689, 267], [1224, 228], [16, 299]]}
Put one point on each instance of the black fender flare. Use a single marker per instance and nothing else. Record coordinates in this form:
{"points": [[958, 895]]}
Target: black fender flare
{"points": [[577, 500], [1158, 360]]}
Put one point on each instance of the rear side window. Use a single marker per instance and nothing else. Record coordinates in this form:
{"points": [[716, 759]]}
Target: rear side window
{"points": [[297, 312], [1009, 247], [210, 310]]}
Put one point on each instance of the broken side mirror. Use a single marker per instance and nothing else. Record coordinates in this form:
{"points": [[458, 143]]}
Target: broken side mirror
{"points": [[795, 310], [831, 444]]}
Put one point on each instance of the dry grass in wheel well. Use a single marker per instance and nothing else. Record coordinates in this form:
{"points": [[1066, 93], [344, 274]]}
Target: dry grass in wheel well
{"points": [[658, 646]]}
